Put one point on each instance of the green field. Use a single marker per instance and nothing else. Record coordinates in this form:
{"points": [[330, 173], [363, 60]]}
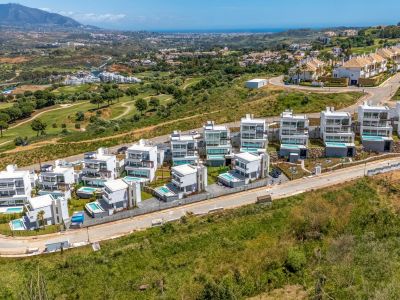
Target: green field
{"points": [[341, 242], [66, 116]]}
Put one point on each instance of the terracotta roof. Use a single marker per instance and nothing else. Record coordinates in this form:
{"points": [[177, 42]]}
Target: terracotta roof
{"points": [[313, 64], [386, 53], [357, 62], [374, 57]]}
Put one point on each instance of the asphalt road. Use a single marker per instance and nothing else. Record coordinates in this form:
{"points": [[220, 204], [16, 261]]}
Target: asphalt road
{"points": [[17, 246]]}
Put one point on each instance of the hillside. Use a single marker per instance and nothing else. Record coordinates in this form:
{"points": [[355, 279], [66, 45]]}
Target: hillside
{"points": [[340, 243], [22, 16]]}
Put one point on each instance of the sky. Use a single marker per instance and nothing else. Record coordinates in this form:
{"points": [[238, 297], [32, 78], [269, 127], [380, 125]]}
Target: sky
{"points": [[165, 15]]}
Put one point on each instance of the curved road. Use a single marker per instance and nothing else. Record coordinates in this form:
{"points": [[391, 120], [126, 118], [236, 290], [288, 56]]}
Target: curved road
{"points": [[18, 246]]}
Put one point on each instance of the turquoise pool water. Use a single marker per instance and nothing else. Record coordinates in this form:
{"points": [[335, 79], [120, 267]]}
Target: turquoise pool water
{"points": [[227, 176], [87, 190], [288, 146], [372, 138], [333, 144], [132, 179], [17, 225], [94, 206], [14, 210], [164, 190]]}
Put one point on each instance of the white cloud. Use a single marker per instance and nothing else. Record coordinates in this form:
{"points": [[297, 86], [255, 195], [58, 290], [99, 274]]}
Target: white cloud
{"points": [[92, 17], [88, 17]]}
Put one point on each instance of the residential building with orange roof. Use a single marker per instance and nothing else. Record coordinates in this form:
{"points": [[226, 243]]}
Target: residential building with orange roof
{"points": [[310, 69], [363, 66]]}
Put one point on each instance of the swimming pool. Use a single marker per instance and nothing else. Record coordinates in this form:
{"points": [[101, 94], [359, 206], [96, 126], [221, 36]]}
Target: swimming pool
{"points": [[87, 190], [134, 179], [94, 208], [165, 191], [17, 225], [373, 138], [12, 210], [229, 177], [334, 144]]}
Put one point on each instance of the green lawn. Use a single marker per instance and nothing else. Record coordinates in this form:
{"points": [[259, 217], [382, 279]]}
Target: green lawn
{"points": [[344, 240], [214, 172], [396, 96], [6, 230]]}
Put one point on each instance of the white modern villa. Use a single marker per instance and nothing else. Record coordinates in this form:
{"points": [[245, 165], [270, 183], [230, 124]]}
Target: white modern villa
{"points": [[98, 167], [375, 127], [251, 166], [15, 187], [46, 210], [141, 161], [184, 148], [218, 144], [253, 134], [293, 135], [337, 134], [119, 194], [185, 180], [56, 180]]}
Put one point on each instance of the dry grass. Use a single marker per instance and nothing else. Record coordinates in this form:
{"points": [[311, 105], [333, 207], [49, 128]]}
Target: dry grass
{"points": [[14, 60], [289, 292], [31, 88]]}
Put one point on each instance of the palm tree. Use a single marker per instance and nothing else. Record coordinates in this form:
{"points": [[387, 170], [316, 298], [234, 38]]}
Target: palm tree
{"points": [[298, 72], [304, 70], [40, 218]]}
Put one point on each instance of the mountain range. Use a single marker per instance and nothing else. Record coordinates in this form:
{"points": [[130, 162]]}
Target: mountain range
{"points": [[16, 15]]}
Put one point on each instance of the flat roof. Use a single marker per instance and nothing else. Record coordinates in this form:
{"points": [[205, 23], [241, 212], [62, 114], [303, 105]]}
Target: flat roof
{"points": [[41, 201], [185, 169], [336, 114], [116, 185], [141, 146], [252, 120], [371, 107], [247, 156], [257, 80], [14, 174]]}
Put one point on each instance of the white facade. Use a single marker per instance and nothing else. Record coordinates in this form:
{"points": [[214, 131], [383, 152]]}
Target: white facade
{"points": [[217, 143], [364, 66], [374, 121], [253, 134], [251, 166], [98, 167], [113, 77], [336, 127], [184, 148], [188, 179], [119, 194], [55, 210], [142, 160], [293, 129], [15, 187], [57, 181], [256, 83]]}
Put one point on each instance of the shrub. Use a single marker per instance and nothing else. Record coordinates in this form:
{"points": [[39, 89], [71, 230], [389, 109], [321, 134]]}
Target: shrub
{"points": [[77, 126], [295, 261], [79, 116], [20, 141]]}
